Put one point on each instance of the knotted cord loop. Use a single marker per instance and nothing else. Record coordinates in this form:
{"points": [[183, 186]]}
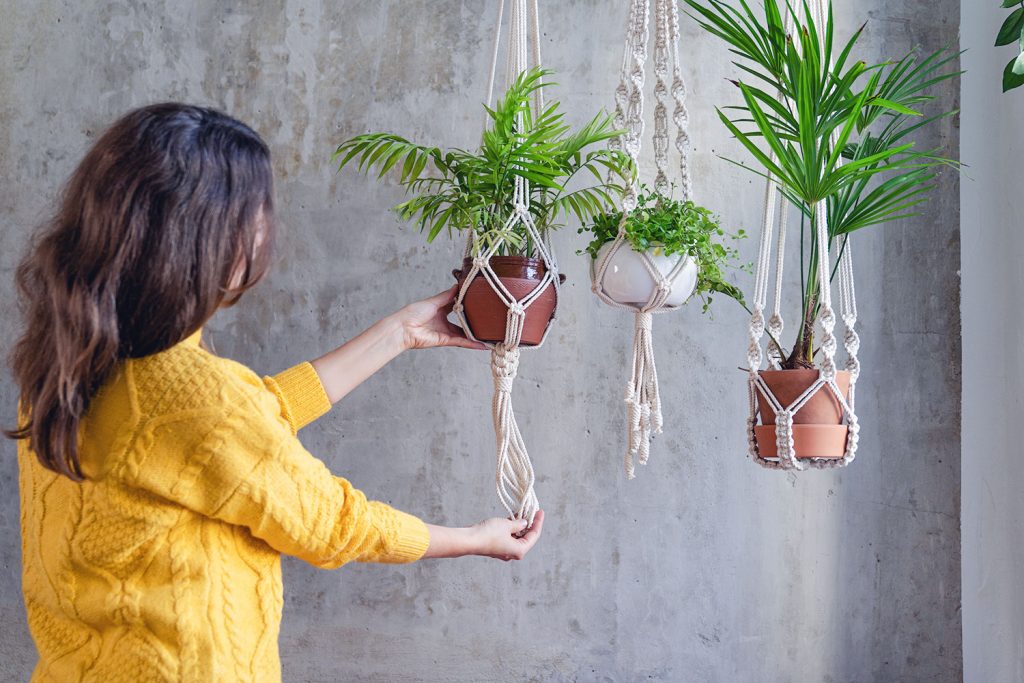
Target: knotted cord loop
{"points": [[644, 415]]}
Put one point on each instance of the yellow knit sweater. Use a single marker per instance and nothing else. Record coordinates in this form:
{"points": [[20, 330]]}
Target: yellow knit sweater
{"points": [[164, 565]]}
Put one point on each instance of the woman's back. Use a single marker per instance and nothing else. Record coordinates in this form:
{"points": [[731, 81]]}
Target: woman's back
{"points": [[142, 571]]}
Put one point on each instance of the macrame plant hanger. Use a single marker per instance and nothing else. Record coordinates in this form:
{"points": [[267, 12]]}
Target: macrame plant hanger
{"points": [[826, 381], [643, 399], [515, 476]]}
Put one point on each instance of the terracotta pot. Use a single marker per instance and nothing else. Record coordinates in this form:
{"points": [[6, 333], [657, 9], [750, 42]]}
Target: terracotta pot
{"points": [[628, 281], [487, 313], [809, 441], [818, 431]]}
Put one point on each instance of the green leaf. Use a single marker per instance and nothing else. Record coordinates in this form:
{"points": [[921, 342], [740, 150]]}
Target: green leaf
{"points": [[1018, 65], [1011, 28], [894, 106], [1010, 3], [1010, 79]]}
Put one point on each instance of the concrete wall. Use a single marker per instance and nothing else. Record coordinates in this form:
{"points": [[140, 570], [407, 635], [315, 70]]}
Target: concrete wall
{"points": [[705, 568], [993, 508]]}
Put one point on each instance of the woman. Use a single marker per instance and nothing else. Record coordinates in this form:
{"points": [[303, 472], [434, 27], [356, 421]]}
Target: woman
{"points": [[160, 483]]}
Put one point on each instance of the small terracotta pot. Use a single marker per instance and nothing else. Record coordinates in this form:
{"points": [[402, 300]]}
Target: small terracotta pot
{"points": [[818, 431], [487, 313]]}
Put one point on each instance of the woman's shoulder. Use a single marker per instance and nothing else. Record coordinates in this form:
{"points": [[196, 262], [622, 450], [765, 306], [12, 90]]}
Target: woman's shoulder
{"points": [[188, 378], [174, 401]]}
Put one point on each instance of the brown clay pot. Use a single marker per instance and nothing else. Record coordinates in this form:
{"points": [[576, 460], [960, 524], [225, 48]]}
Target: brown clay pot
{"points": [[818, 431], [487, 313]]}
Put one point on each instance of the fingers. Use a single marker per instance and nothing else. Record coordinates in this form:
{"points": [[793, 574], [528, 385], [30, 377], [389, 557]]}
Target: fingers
{"points": [[522, 538], [516, 527], [445, 298], [457, 337], [529, 539], [538, 525]]}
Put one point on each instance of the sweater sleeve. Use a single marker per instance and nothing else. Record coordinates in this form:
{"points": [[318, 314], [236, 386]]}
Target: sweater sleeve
{"points": [[250, 470], [301, 395]]}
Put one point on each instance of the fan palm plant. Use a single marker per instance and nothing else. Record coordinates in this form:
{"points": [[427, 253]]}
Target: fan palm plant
{"points": [[458, 190], [827, 128]]}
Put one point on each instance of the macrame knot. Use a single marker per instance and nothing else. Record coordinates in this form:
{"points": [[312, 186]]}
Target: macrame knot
{"points": [[827, 318], [644, 320], [520, 208], [504, 384], [504, 361], [517, 309], [645, 416], [784, 438], [757, 322], [851, 340], [828, 370], [479, 262], [457, 307]]}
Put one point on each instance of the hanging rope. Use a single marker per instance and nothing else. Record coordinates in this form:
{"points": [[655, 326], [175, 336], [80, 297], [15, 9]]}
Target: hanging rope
{"points": [[784, 414], [643, 400], [515, 476]]}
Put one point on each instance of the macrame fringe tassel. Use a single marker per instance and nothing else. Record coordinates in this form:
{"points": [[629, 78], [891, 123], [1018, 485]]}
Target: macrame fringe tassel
{"points": [[643, 400], [515, 475]]}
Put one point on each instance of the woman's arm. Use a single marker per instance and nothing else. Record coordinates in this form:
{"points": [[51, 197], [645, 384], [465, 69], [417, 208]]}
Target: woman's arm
{"points": [[249, 469], [499, 538], [420, 325]]}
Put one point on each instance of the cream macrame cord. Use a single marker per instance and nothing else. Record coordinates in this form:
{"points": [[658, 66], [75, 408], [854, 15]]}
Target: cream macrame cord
{"points": [[514, 478], [826, 381], [643, 400]]}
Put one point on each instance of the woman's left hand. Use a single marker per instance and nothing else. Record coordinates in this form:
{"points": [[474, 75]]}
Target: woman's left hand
{"points": [[425, 324]]}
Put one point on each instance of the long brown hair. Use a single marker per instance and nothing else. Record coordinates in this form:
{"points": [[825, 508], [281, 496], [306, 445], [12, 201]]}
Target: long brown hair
{"points": [[167, 218]]}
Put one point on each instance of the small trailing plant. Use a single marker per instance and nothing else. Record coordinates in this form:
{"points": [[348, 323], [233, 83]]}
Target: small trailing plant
{"points": [[457, 190], [1012, 31], [670, 226], [842, 133]]}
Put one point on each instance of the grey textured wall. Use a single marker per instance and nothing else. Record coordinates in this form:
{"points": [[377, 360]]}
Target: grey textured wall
{"points": [[993, 508], [705, 568]]}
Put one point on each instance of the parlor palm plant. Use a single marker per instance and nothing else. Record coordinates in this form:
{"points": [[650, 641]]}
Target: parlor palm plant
{"points": [[566, 174], [458, 190]]}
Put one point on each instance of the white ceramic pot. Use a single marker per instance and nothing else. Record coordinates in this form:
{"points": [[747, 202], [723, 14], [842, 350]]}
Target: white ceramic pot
{"points": [[628, 281]]}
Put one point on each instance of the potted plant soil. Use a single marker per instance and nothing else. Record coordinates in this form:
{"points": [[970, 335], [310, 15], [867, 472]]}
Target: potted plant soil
{"points": [[459, 191], [842, 137], [667, 230]]}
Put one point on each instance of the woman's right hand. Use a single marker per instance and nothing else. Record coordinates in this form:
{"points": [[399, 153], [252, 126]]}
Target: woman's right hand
{"points": [[500, 538]]}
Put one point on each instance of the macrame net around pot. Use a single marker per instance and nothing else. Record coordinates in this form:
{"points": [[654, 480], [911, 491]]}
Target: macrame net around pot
{"points": [[802, 419], [672, 279], [524, 291]]}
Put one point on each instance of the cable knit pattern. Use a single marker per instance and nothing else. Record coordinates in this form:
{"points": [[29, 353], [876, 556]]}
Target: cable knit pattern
{"points": [[164, 565]]}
